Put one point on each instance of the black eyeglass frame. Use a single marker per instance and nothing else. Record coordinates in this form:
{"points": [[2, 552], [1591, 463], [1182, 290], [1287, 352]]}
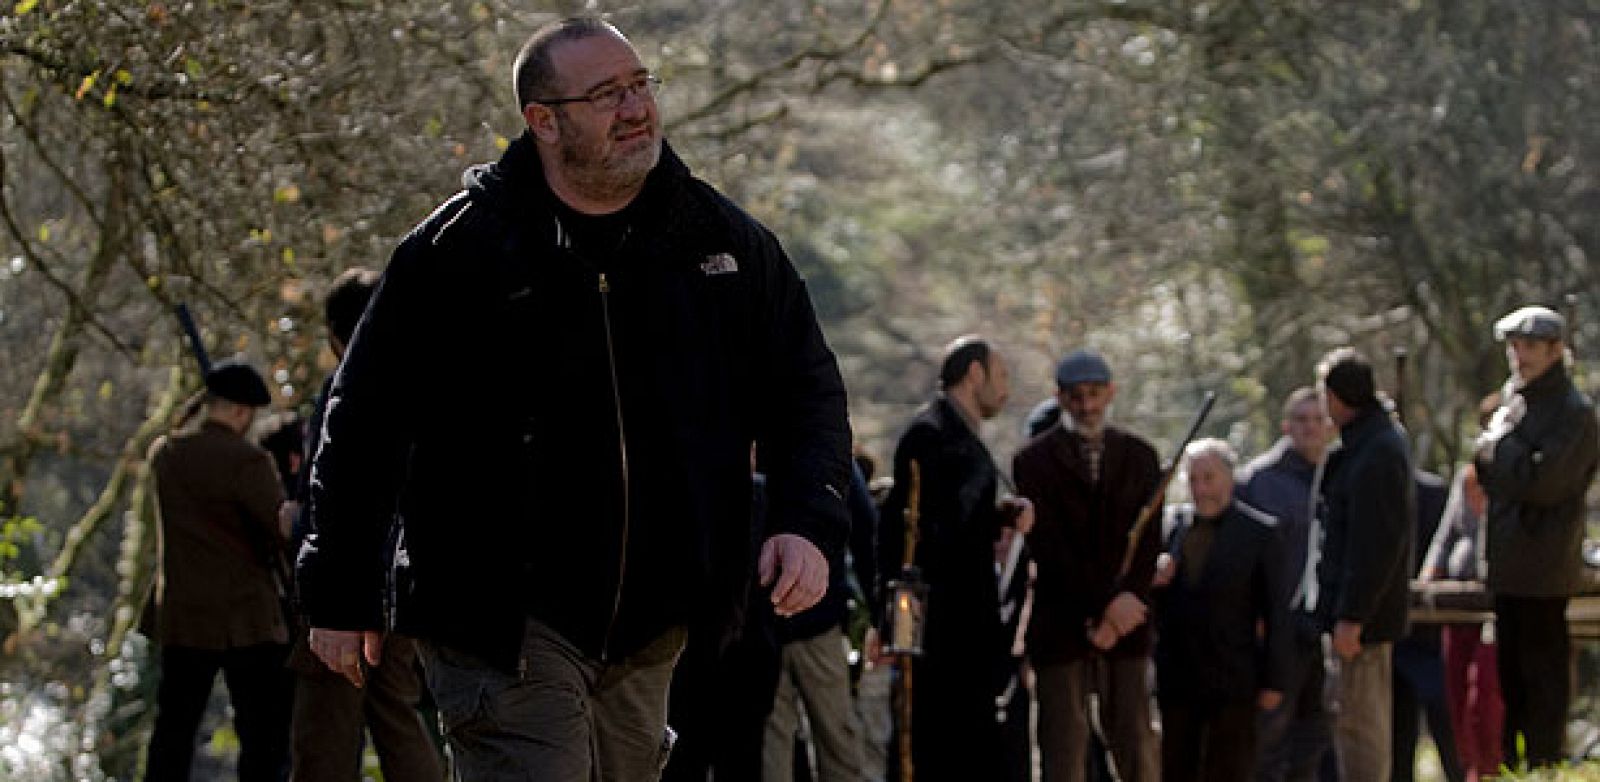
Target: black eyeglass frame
{"points": [[649, 84]]}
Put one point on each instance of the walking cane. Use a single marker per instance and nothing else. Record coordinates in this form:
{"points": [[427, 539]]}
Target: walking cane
{"points": [[907, 606], [1140, 524]]}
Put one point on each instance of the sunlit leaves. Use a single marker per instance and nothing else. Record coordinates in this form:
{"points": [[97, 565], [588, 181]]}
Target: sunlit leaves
{"points": [[86, 85]]}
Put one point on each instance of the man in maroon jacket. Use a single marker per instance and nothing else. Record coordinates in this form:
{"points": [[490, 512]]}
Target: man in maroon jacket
{"points": [[1087, 480]]}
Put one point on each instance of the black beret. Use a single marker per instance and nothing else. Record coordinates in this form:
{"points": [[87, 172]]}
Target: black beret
{"points": [[238, 382]]}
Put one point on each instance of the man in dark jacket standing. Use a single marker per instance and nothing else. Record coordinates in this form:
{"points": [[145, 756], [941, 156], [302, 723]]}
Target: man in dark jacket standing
{"points": [[967, 648], [1212, 672], [1088, 480], [614, 334], [1535, 461], [1365, 560]]}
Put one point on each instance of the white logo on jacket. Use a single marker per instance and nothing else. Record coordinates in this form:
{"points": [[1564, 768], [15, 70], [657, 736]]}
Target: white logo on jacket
{"points": [[721, 263]]}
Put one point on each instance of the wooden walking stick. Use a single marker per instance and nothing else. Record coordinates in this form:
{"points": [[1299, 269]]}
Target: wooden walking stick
{"points": [[907, 606]]}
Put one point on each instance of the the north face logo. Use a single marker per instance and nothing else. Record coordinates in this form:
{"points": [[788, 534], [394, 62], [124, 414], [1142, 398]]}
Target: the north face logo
{"points": [[721, 263]]}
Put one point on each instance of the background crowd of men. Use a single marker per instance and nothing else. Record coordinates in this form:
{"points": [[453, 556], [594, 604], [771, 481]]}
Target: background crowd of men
{"points": [[652, 496]]}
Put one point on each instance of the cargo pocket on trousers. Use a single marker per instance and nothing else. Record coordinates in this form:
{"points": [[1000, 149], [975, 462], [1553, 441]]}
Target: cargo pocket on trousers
{"points": [[459, 692]]}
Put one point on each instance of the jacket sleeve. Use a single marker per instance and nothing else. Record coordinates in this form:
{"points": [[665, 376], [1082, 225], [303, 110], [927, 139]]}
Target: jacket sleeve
{"points": [[260, 495], [803, 434], [1451, 529], [1048, 541], [1380, 515], [1272, 583], [864, 540], [1547, 471], [1142, 570], [362, 449]]}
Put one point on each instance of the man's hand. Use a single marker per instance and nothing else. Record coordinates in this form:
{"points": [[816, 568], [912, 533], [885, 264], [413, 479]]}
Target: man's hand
{"points": [[286, 515], [1347, 639], [872, 650], [1021, 511], [1166, 568], [1103, 636], [342, 650], [1125, 613], [1268, 700], [800, 569]]}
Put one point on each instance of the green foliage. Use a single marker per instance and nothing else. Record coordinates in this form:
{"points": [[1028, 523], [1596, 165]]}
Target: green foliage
{"points": [[1585, 772]]}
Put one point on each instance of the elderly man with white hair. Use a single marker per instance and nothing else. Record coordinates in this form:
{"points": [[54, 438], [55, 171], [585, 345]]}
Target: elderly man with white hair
{"points": [[1223, 643]]}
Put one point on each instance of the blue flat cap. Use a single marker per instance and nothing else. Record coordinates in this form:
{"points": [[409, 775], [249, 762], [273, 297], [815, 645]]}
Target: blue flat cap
{"points": [[1082, 366]]}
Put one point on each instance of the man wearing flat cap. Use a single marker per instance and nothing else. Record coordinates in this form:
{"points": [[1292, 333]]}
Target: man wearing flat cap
{"points": [[218, 606], [1087, 480], [1535, 462]]}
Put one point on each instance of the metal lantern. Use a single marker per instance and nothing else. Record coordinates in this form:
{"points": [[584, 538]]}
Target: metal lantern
{"points": [[906, 612]]}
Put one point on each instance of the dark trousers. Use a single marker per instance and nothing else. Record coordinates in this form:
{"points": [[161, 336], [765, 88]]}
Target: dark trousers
{"points": [[1295, 737], [261, 690], [720, 703], [564, 718], [1419, 691], [1207, 740], [331, 717], [1535, 675], [954, 735], [1016, 735]]}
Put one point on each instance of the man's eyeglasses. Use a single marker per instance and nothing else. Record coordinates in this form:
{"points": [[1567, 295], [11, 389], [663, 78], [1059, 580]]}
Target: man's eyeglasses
{"points": [[611, 96]]}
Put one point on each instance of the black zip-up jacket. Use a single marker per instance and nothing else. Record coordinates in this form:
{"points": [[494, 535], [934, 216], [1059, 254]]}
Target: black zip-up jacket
{"points": [[1206, 643], [565, 435], [1367, 550], [1536, 477]]}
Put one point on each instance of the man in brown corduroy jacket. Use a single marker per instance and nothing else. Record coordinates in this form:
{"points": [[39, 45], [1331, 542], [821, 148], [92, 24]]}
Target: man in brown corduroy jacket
{"points": [[217, 604]]}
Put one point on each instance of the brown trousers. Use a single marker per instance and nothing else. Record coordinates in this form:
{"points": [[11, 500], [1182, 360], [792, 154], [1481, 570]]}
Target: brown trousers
{"points": [[331, 715]]}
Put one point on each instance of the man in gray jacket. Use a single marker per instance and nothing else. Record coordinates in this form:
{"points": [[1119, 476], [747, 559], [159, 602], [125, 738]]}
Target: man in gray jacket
{"points": [[1535, 462]]}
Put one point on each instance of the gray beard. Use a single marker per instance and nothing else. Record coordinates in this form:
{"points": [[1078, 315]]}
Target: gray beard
{"points": [[1087, 433], [604, 182]]}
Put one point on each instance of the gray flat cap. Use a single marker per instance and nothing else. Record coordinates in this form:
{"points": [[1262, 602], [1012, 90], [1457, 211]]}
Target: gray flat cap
{"points": [[1082, 366], [1532, 321]]}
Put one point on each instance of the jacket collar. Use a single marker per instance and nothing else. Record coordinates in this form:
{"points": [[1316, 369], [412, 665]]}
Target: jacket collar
{"points": [[1067, 450], [1365, 426], [1282, 454], [1554, 381]]}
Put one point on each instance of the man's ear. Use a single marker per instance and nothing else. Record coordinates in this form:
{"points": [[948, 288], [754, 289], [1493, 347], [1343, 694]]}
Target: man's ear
{"points": [[541, 121], [977, 370]]}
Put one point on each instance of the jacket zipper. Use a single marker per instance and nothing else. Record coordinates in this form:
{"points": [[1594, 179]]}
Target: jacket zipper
{"points": [[622, 451]]}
